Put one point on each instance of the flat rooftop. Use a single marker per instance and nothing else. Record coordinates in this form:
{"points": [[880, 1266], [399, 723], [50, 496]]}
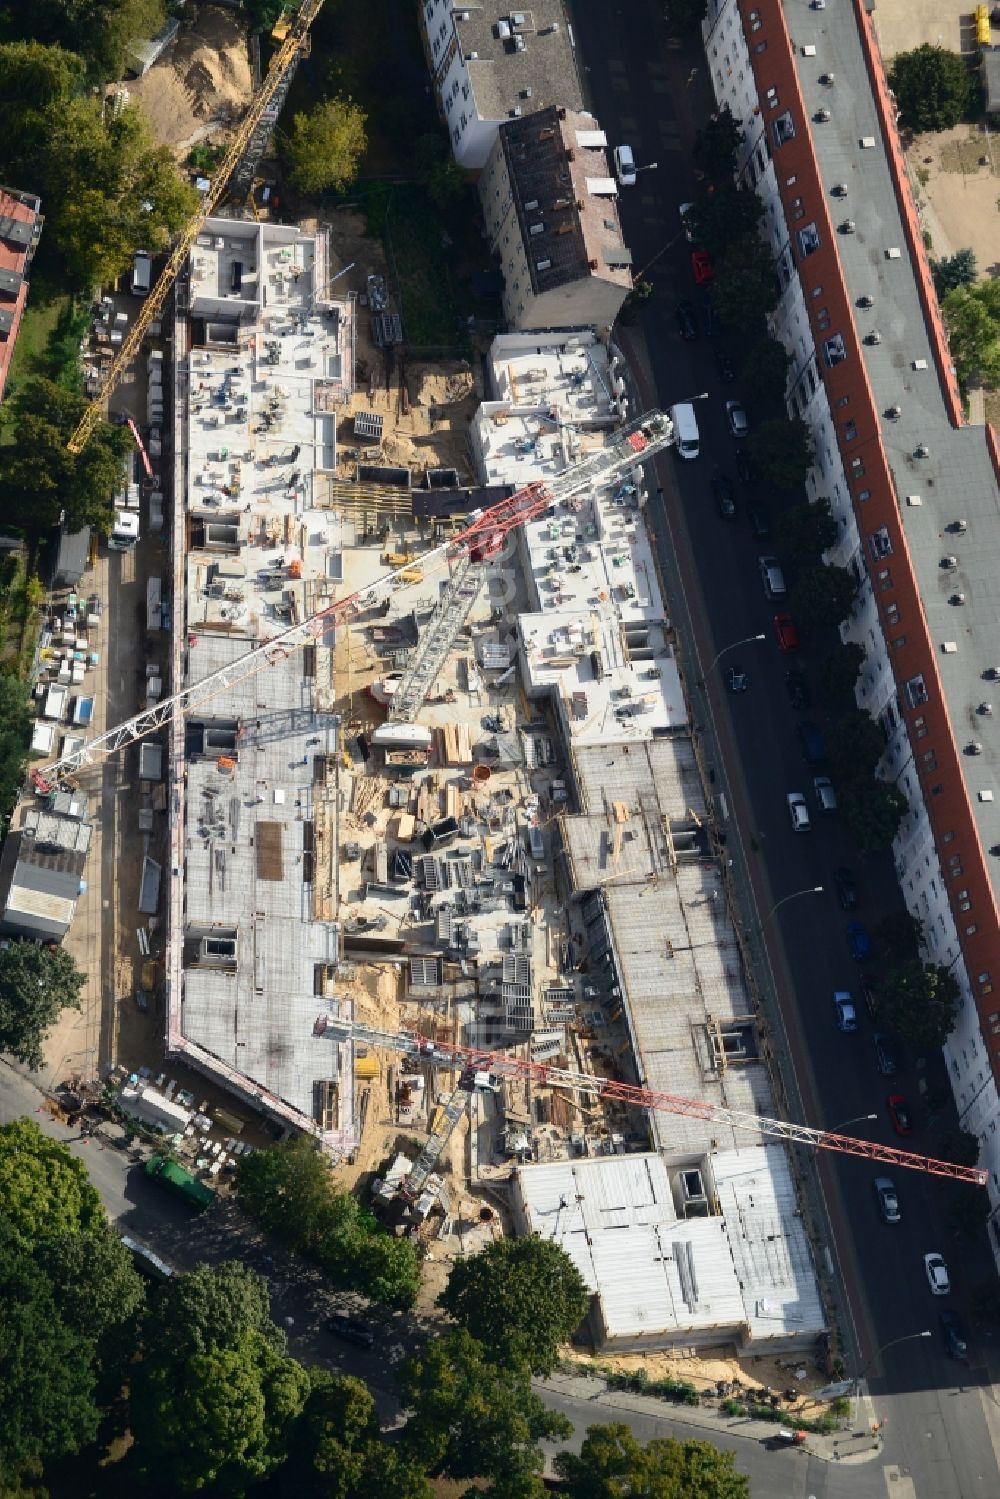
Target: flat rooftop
{"points": [[956, 480], [536, 55], [745, 1274]]}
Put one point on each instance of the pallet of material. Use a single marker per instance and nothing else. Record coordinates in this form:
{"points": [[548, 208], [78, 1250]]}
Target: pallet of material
{"points": [[456, 744], [406, 826]]}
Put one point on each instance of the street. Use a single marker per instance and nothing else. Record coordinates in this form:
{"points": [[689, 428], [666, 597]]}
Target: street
{"points": [[942, 1420]]}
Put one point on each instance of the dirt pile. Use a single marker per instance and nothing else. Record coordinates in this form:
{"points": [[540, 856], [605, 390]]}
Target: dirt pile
{"points": [[201, 83]]}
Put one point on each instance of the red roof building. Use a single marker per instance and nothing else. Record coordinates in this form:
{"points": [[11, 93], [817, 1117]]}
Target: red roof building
{"points": [[20, 229]]}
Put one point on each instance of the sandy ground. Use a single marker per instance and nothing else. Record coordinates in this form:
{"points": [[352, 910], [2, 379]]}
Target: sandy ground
{"points": [[706, 1370], [202, 82], [903, 24], [957, 177]]}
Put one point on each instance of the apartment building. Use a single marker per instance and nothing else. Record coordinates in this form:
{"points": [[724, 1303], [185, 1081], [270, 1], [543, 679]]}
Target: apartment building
{"points": [[20, 230], [491, 64], [915, 491], [550, 206]]}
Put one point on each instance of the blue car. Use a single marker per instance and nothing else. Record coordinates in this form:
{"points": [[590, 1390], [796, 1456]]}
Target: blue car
{"points": [[859, 938]]}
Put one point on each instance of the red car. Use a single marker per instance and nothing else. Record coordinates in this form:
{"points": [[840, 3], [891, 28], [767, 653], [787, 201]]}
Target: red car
{"points": [[701, 265], [899, 1113], [785, 632]]}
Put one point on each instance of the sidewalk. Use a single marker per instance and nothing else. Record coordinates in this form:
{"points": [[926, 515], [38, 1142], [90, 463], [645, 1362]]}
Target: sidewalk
{"points": [[857, 1445]]}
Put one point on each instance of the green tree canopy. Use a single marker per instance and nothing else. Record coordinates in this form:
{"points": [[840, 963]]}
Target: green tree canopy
{"points": [[855, 745], [684, 17], [101, 31], [15, 738], [969, 1210], [728, 212], [36, 985], [782, 451], [38, 81], [472, 1418], [822, 596], [336, 1451], [920, 1001], [954, 270], [959, 1146], [765, 369], [210, 1307], [746, 287], [716, 144], [873, 811], [972, 323], [838, 672], [326, 146], [263, 13], [932, 86], [808, 530], [520, 1297], [899, 935], [613, 1463]]}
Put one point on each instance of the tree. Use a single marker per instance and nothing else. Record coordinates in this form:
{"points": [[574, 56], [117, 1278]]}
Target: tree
{"points": [[210, 1307], [953, 271], [520, 1297], [336, 1450], [782, 451], [970, 1211], [613, 1462], [765, 369], [263, 13], [473, 1418], [45, 1192], [873, 812], [855, 745], [101, 31], [822, 596], [932, 87], [808, 530], [973, 331], [716, 145], [725, 213], [959, 1146], [36, 985], [15, 738], [326, 146], [899, 935], [220, 1417], [97, 1291], [839, 671], [684, 17], [746, 288], [920, 1001], [37, 80], [986, 1302], [48, 1384]]}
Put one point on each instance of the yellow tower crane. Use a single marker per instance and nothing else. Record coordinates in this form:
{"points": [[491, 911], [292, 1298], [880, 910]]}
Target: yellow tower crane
{"points": [[153, 306]]}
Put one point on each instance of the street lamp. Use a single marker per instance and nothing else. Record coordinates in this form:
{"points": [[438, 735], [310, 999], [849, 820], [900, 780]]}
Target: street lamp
{"points": [[747, 640], [861, 1119], [809, 890], [650, 166], [909, 1337]]}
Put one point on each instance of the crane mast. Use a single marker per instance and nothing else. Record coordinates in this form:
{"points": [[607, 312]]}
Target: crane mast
{"points": [[277, 73], [480, 539], [469, 1061]]}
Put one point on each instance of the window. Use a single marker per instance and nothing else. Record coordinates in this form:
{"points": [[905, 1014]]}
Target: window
{"points": [[835, 349], [930, 760], [771, 98], [884, 579], [817, 291], [822, 319], [916, 691], [843, 400], [850, 431], [880, 543], [760, 47], [899, 642], [798, 211], [964, 903], [937, 790], [857, 468], [970, 931], [864, 494], [892, 615], [948, 837], [784, 128], [791, 181], [809, 239]]}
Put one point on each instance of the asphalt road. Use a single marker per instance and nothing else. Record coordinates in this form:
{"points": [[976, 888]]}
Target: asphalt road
{"points": [[942, 1420]]}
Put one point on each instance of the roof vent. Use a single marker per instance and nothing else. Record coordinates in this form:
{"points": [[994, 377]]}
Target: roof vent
{"points": [[840, 190], [848, 227], [537, 229], [547, 133], [949, 564], [866, 301], [529, 206], [828, 79], [519, 44], [986, 709], [893, 413], [543, 265], [874, 337], [502, 30], [992, 674], [957, 599], [821, 116], [959, 527], [921, 450], [973, 747], [526, 93], [515, 113]]}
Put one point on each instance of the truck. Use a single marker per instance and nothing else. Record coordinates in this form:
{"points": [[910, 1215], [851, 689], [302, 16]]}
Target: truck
{"points": [[182, 1183], [124, 531]]}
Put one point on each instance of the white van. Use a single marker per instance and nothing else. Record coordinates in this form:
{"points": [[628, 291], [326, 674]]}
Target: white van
{"points": [[686, 437], [772, 577], [142, 274], [625, 166]]}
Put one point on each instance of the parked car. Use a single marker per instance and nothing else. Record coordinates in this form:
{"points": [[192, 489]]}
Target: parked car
{"points": [[737, 679], [798, 812], [737, 418], [798, 689], [868, 989], [847, 1015], [846, 888], [687, 323], [760, 522], [684, 211], [745, 470], [711, 323], [885, 1055], [937, 1274], [860, 939], [785, 632], [351, 1330], [625, 166], [954, 1334], [888, 1202], [826, 797], [812, 743], [701, 265], [725, 496], [899, 1113], [725, 367]]}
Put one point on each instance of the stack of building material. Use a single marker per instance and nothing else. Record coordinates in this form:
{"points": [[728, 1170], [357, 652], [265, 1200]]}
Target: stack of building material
{"points": [[456, 744]]}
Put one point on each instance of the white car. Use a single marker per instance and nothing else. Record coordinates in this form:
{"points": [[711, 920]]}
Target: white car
{"points": [[937, 1275], [847, 1015], [826, 797], [738, 424], [798, 812], [625, 166]]}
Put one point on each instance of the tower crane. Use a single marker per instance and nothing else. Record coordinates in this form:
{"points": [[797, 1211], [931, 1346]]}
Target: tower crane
{"points": [[481, 539], [471, 1062], [282, 62]]}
